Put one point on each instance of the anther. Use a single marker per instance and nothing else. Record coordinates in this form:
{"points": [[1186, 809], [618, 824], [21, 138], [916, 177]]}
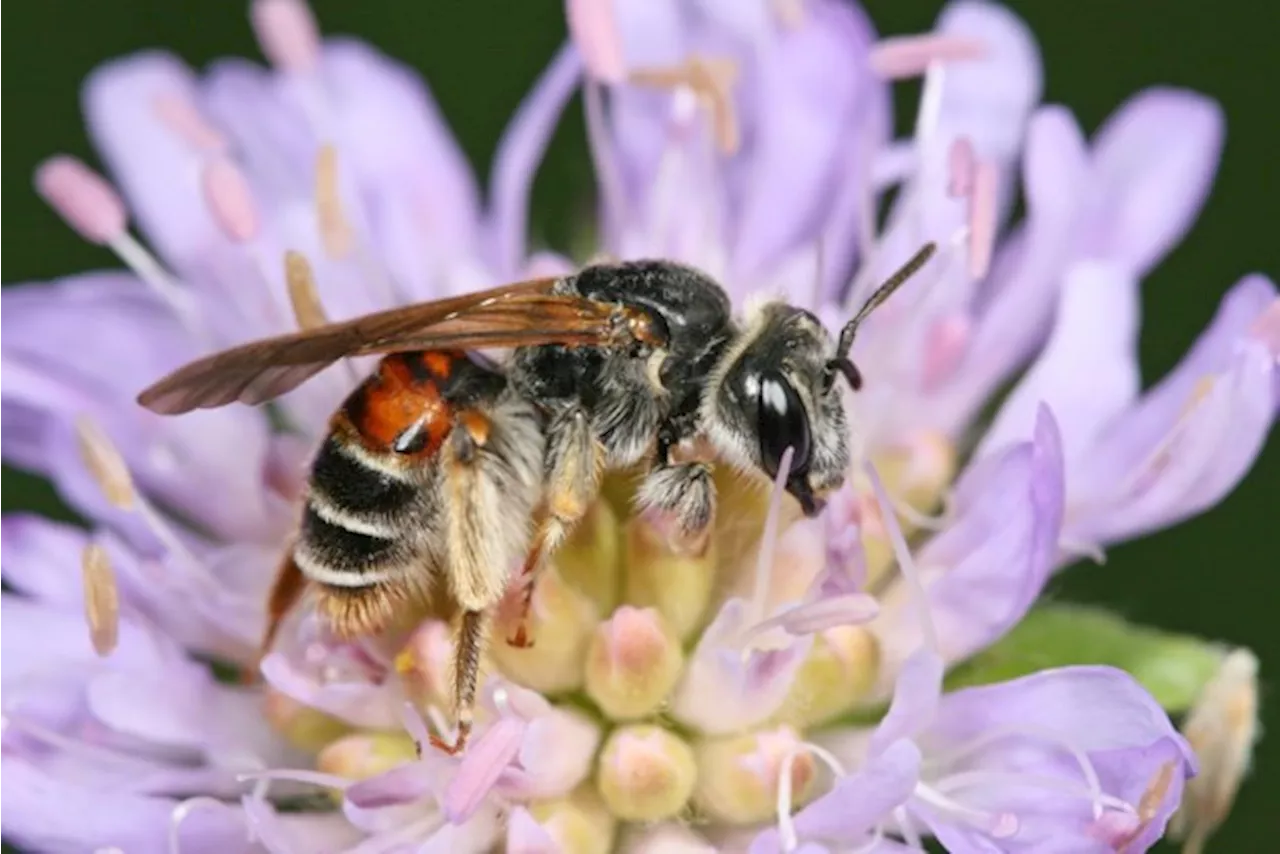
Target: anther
{"points": [[101, 599], [227, 193], [105, 465], [83, 198], [335, 232], [982, 218], [961, 164], [181, 117], [304, 298], [711, 79], [287, 34], [910, 56]]}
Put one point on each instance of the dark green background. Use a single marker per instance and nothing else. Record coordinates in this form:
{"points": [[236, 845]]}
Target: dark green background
{"points": [[1218, 576]]}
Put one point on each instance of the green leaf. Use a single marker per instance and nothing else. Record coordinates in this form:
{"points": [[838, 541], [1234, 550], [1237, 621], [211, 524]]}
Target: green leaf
{"points": [[1173, 667]]}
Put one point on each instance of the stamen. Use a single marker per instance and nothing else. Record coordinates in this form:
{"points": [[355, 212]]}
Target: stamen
{"points": [[906, 563], [711, 79], [605, 159], [94, 209], [930, 104], [996, 734], [594, 29], [336, 233], [910, 56], [982, 218], [185, 120], [1000, 825], [978, 779], [105, 464], [961, 165], [786, 824], [307, 310], [287, 34], [906, 829], [230, 200], [75, 748], [83, 198], [769, 539], [101, 599]]}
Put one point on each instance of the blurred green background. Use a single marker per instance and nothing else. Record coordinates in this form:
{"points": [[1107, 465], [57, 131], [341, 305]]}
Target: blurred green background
{"points": [[1217, 576]]}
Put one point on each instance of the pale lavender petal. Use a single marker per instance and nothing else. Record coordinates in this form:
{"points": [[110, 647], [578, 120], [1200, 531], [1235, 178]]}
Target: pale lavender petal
{"points": [[404, 784], [39, 807], [526, 836], [988, 99], [915, 701], [814, 92], [1190, 439], [482, 764], [1088, 372], [856, 804], [557, 752], [519, 154], [1154, 162], [994, 559], [361, 703], [725, 690], [158, 171], [293, 833], [37, 556]]}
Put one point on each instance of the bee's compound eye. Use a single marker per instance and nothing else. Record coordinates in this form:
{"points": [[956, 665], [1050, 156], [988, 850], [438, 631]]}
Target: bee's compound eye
{"points": [[782, 423]]}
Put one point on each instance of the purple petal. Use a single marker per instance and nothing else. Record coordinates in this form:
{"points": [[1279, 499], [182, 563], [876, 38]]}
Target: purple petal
{"points": [[1154, 162], [988, 99], [38, 557], [1190, 439], [724, 690], [481, 766], [39, 807], [404, 157], [996, 556], [915, 701], [1044, 727], [526, 836], [557, 752], [858, 802], [361, 703], [1088, 372], [404, 784], [157, 170], [519, 154], [814, 92]]}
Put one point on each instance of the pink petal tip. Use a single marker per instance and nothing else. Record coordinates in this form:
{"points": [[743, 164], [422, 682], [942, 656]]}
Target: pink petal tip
{"points": [[287, 33], [83, 198], [594, 30], [982, 218]]}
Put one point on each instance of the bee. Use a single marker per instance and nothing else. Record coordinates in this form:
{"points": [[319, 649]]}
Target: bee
{"points": [[443, 471]]}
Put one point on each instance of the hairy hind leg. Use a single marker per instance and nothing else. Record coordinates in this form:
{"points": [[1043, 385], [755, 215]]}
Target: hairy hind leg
{"points": [[574, 464]]}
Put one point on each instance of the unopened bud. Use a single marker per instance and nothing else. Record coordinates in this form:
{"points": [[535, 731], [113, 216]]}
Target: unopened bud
{"points": [[677, 586], [645, 773], [738, 776], [365, 754], [560, 623], [579, 823], [302, 726], [1221, 727], [591, 558], [633, 663], [839, 672]]}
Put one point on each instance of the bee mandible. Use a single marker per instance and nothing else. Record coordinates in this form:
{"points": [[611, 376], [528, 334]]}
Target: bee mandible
{"points": [[446, 472]]}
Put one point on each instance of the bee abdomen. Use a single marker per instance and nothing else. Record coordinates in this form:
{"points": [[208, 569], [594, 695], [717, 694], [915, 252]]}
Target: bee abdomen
{"points": [[344, 482]]}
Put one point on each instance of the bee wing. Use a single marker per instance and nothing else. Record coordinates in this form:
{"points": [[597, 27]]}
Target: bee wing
{"points": [[516, 315]]}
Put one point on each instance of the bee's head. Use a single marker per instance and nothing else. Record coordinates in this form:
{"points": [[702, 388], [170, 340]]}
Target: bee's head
{"points": [[776, 388]]}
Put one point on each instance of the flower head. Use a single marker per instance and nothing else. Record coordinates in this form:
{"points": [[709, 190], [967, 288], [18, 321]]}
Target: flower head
{"points": [[779, 672]]}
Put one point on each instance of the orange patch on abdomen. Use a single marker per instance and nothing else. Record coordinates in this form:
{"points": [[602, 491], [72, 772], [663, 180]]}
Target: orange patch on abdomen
{"points": [[400, 408]]}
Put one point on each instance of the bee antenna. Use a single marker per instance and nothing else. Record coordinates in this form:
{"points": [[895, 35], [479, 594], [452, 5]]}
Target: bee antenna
{"points": [[841, 362]]}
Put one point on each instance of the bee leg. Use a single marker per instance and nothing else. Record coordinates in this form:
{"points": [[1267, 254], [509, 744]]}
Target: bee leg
{"points": [[574, 464], [288, 588], [685, 494], [466, 671]]}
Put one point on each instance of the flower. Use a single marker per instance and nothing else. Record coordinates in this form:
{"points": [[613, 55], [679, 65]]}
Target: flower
{"points": [[735, 677]]}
